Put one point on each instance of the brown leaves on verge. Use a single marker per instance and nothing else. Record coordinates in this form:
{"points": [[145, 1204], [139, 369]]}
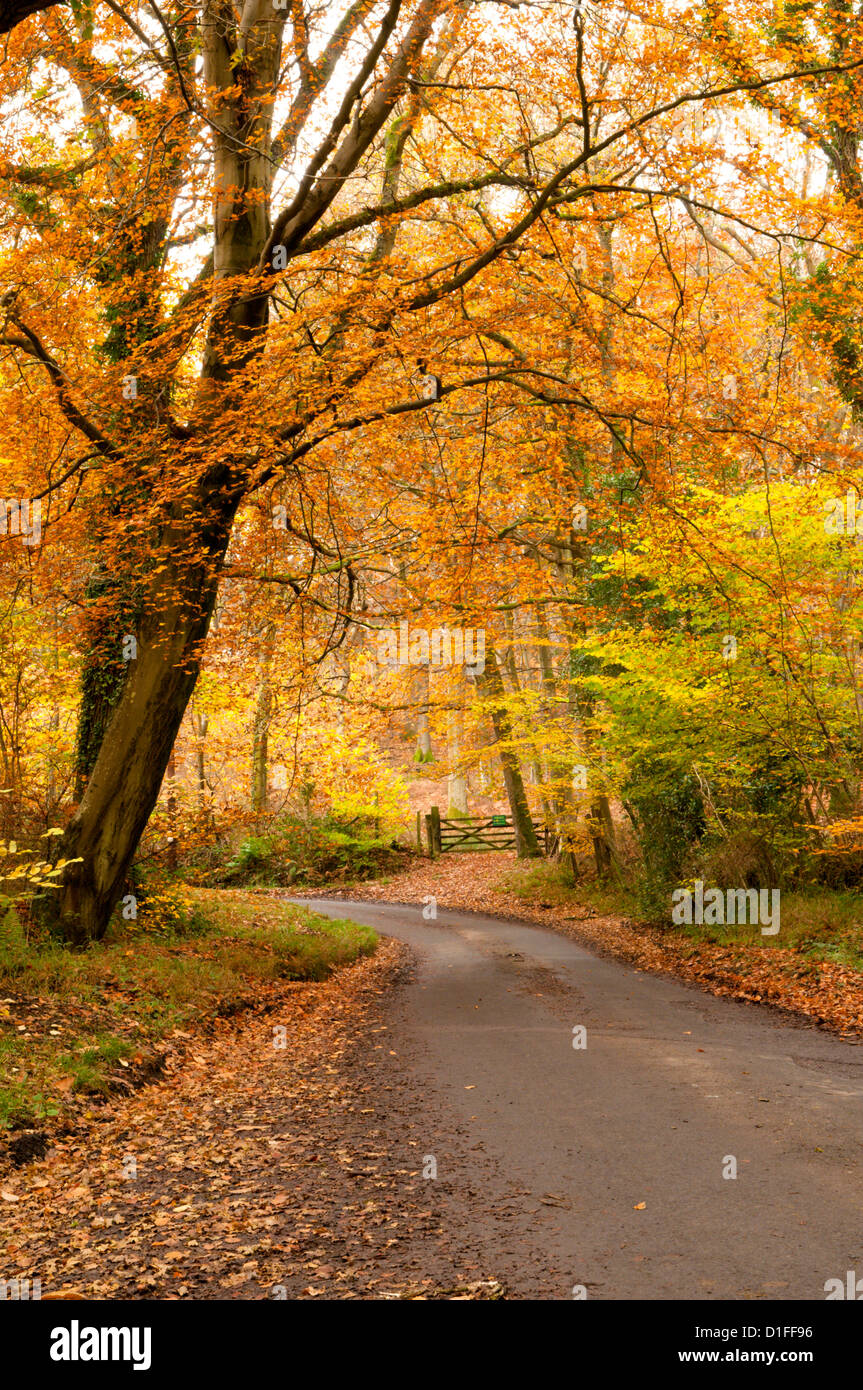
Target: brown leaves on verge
{"points": [[258, 1170]]}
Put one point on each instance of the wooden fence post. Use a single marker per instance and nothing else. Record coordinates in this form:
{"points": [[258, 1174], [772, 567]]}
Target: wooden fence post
{"points": [[435, 823]]}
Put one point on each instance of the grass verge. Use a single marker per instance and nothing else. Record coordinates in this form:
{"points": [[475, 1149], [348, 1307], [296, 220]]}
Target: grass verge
{"points": [[813, 966], [76, 1026], [818, 923]]}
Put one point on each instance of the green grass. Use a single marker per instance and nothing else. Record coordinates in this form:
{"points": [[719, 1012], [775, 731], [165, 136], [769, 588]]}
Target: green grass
{"points": [[820, 924], [74, 1024], [541, 880], [22, 1107], [90, 1066], [817, 923]]}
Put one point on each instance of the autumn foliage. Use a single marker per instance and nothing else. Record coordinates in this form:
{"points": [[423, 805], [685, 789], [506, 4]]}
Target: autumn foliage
{"points": [[536, 322]]}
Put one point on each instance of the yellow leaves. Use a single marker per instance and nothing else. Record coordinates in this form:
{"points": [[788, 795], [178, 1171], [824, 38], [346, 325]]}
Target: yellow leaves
{"points": [[39, 873]]}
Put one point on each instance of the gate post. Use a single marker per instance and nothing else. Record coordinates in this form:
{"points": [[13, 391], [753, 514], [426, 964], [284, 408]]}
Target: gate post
{"points": [[435, 828]]}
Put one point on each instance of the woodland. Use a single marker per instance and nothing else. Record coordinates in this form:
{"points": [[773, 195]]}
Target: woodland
{"points": [[536, 323]]}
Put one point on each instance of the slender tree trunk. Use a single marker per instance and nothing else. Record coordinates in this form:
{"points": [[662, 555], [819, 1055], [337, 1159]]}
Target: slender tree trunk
{"points": [[555, 715], [261, 725], [537, 776], [54, 720], [200, 725], [424, 748], [456, 781], [490, 681], [172, 812]]}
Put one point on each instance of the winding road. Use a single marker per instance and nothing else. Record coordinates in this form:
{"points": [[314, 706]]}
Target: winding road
{"points": [[625, 1145]]}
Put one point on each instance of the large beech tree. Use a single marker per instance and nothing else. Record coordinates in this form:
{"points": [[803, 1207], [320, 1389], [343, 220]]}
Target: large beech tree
{"points": [[238, 234], [14, 12]]}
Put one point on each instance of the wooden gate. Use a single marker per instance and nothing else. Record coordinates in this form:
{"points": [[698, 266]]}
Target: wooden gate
{"points": [[470, 833]]}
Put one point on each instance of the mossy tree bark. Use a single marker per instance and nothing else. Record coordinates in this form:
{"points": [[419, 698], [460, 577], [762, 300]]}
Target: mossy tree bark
{"points": [[177, 604], [190, 522], [261, 723], [491, 683], [127, 775]]}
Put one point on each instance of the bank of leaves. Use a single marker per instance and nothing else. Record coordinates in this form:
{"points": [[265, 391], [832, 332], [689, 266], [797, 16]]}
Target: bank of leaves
{"points": [[76, 1026]]}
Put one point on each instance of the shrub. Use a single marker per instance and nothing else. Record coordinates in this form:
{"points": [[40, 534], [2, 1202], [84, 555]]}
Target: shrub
{"points": [[252, 858], [165, 911], [667, 810], [310, 851], [747, 858]]}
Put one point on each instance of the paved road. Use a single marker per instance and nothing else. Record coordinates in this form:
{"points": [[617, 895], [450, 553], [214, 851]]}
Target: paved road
{"points": [[672, 1086]]}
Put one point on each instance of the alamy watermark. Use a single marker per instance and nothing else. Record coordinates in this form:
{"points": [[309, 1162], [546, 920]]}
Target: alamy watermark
{"points": [[852, 1288], [77, 1343], [20, 1290], [716, 908], [22, 518], [845, 516], [442, 646]]}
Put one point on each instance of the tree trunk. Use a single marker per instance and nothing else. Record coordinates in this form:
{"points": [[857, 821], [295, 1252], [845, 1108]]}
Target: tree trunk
{"points": [[456, 781], [490, 681], [14, 12], [537, 777], [127, 776], [424, 749], [51, 789], [178, 603], [172, 812], [602, 834], [200, 725], [111, 616], [261, 725]]}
